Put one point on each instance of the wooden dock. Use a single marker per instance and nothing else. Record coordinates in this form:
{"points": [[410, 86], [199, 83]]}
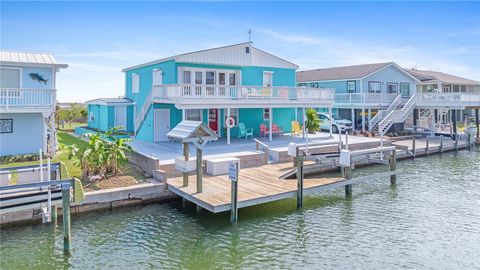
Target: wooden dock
{"points": [[256, 185]]}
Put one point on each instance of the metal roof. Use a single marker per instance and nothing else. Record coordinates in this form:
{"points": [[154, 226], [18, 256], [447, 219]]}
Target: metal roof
{"points": [[233, 55], [339, 73], [16, 58], [110, 101], [427, 76], [192, 131]]}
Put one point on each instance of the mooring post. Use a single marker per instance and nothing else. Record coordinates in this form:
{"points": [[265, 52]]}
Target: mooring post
{"points": [[347, 174], [295, 162], [66, 216], [53, 212], [456, 141], [199, 170], [186, 154], [393, 167], [469, 139], [414, 150], [427, 148], [300, 180], [441, 143], [234, 193]]}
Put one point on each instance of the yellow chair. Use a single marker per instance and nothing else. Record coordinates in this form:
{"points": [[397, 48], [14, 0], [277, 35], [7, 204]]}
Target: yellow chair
{"points": [[296, 128]]}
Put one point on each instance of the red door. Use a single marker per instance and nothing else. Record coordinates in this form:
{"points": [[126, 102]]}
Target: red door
{"points": [[213, 119]]}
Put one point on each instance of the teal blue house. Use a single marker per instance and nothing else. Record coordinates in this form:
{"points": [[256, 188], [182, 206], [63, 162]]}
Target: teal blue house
{"points": [[27, 102], [106, 113], [232, 84]]}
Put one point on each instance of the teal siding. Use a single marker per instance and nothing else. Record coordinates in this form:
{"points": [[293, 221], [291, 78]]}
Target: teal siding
{"points": [[111, 117], [27, 136], [281, 76], [104, 117], [146, 130], [389, 74], [130, 118]]}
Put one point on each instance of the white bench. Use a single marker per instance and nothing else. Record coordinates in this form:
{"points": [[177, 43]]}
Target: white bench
{"points": [[219, 166]]}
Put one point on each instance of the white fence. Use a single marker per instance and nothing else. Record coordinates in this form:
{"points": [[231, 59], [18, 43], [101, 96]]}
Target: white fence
{"points": [[448, 99]]}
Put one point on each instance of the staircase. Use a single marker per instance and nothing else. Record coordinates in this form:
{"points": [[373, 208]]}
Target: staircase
{"points": [[396, 116], [142, 114], [373, 125]]}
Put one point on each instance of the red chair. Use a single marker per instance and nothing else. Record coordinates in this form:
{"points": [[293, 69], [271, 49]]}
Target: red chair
{"points": [[263, 130], [277, 130]]}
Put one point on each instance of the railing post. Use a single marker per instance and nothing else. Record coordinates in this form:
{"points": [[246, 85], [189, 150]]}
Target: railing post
{"points": [[66, 216], [393, 167], [300, 180]]}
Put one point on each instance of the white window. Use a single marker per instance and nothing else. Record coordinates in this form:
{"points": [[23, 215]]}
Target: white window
{"points": [[210, 77], [392, 88], [233, 114], [405, 89], [266, 114], [193, 114], [187, 79], [351, 87], [92, 117], [135, 83], [10, 78], [374, 87], [232, 79], [198, 77], [157, 77]]}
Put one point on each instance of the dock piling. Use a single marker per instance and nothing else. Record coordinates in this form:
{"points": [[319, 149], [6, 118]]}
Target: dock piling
{"points": [[347, 174], [186, 154], [414, 150], [66, 216], [456, 141], [441, 143], [54, 215], [300, 180], [234, 197], [199, 170], [393, 167], [427, 147]]}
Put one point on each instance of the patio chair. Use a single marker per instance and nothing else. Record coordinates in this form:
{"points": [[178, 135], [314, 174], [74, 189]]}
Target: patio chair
{"points": [[244, 131], [296, 130], [277, 130], [263, 130]]}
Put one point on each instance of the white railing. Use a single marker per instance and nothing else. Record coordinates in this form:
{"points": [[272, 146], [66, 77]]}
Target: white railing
{"points": [[380, 99], [448, 99], [22, 97], [383, 113], [233, 93]]}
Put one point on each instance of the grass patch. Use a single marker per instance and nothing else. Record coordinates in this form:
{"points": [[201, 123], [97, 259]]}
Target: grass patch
{"points": [[70, 126]]}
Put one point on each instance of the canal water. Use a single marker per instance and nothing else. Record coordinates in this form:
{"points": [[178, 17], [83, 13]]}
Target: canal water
{"points": [[430, 220]]}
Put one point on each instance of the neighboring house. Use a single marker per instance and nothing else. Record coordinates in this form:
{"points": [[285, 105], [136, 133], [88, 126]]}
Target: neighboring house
{"points": [[439, 93], [362, 91], [27, 102], [106, 113], [240, 82]]}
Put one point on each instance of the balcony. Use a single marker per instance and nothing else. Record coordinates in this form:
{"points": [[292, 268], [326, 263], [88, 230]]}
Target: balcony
{"points": [[448, 100], [221, 96], [27, 100], [349, 100]]}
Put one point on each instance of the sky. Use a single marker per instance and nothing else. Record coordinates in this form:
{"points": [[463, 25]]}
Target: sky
{"points": [[98, 39]]}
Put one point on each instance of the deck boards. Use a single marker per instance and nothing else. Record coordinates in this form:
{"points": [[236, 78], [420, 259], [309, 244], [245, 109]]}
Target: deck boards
{"points": [[255, 185]]}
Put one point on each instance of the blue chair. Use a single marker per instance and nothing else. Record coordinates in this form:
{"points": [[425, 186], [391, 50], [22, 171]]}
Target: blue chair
{"points": [[244, 132]]}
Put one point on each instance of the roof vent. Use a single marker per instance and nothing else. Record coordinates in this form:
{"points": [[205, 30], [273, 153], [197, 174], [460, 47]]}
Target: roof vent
{"points": [[247, 49]]}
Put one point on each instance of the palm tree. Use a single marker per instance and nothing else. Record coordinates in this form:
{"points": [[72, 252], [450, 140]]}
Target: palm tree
{"points": [[313, 122]]}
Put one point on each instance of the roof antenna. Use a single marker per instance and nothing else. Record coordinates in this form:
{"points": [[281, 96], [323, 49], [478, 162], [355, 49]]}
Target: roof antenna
{"points": [[249, 35]]}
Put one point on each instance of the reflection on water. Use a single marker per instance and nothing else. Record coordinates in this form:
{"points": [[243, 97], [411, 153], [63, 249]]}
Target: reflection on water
{"points": [[431, 219]]}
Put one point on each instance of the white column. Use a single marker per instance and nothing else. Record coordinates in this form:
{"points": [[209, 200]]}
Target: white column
{"points": [[353, 118], [296, 114], [363, 119], [183, 114], [270, 124], [330, 113], [44, 125], [228, 129], [369, 118]]}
